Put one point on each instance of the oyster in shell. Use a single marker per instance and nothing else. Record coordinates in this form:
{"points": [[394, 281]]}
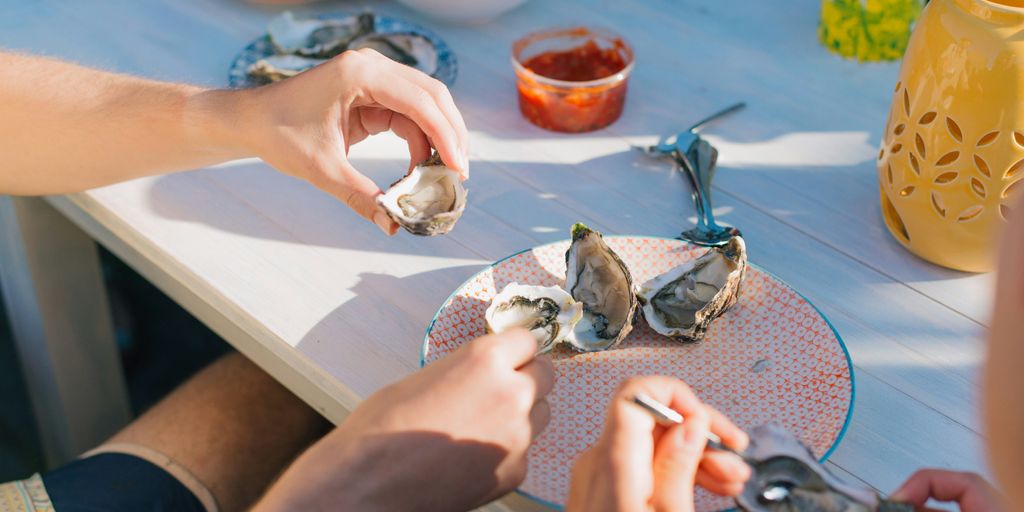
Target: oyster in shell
{"points": [[279, 67], [317, 38], [787, 477], [682, 302], [410, 49], [596, 277], [428, 201], [548, 312]]}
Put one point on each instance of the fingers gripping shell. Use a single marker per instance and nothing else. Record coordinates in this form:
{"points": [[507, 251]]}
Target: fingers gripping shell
{"points": [[788, 478], [683, 302], [597, 278], [548, 312], [428, 201]]}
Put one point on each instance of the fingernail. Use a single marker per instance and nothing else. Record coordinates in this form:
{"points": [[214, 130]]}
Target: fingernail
{"points": [[897, 496], [383, 222]]}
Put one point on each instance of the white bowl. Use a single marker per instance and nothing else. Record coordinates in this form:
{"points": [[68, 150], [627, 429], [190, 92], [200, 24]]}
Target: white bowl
{"points": [[469, 12]]}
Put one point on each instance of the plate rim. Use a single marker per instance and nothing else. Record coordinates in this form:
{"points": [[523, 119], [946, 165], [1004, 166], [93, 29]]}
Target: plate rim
{"points": [[438, 41], [842, 344]]}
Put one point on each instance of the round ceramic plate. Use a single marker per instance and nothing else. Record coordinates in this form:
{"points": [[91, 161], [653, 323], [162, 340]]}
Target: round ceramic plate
{"points": [[261, 48], [772, 357]]}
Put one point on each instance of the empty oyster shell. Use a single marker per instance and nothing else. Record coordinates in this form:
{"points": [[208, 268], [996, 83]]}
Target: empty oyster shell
{"points": [[787, 477], [279, 67], [428, 201], [548, 312], [682, 302], [405, 48], [318, 38], [596, 277]]}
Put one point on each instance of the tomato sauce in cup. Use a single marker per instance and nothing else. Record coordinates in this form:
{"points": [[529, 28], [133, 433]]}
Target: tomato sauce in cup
{"points": [[572, 80]]}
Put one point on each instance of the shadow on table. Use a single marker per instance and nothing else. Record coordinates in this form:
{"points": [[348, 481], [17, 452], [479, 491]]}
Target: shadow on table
{"points": [[385, 322], [829, 194]]}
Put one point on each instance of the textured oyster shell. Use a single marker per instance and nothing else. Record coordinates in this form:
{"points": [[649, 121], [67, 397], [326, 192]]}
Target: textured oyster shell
{"points": [[317, 38], [683, 302], [428, 201], [405, 48], [548, 312], [279, 67], [597, 278], [785, 469]]}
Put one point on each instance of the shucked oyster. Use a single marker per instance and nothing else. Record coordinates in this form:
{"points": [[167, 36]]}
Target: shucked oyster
{"points": [[410, 49], [596, 277], [787, 478], [548, 312], [428, 201], [279, 67], [317, 38], [682, 302]]}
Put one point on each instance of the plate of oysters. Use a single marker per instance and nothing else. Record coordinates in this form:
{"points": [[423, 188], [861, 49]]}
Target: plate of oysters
{"points": [[293, 45], [608, 308]]}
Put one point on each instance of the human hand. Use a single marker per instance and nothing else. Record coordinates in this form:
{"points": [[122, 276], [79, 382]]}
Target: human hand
{"points": [[638, 464], [304, 125], [452, 436], [968, 490]]}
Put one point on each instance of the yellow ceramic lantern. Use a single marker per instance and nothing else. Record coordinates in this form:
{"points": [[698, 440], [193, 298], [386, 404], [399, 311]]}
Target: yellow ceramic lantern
{"points": [[953, 150]]}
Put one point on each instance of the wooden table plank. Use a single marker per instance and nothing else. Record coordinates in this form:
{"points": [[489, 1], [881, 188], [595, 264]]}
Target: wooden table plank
{"points": [[323, 292]]}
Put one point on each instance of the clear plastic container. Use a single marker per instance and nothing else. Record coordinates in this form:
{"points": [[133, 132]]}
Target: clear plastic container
{"points": [[572, 79]]}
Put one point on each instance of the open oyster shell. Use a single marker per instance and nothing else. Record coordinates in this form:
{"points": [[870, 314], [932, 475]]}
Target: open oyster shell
{"points": [[787, 477], [682, 302], [596, 277], [428, 201], [410, 49], [279, 67], [317, 38], [548, 312]]}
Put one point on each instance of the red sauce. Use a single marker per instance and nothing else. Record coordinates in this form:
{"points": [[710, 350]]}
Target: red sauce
{"points": [[575, 108], [580, 64]]}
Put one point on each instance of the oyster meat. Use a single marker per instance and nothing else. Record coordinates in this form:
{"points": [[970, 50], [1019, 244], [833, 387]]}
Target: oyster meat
{"points": [[787, 478], [317, 38], [428, 201], [303, 43], [279, 67], [682, 302], [410, 49], [597, 278], [548, 312]]}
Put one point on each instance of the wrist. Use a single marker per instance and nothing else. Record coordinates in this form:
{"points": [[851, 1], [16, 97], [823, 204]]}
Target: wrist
{"points": [[217, 119], [339, 472]]}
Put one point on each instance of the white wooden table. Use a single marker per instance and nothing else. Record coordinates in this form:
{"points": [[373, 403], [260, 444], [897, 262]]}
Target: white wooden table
{"points": [[334, 310]]}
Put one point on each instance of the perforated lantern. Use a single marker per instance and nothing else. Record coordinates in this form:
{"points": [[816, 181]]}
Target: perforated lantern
{"points": [[953, 150]]}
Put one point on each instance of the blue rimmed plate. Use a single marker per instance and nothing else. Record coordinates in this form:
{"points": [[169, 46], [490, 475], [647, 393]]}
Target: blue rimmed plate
{"points": [[261, 47], [773, 357]]}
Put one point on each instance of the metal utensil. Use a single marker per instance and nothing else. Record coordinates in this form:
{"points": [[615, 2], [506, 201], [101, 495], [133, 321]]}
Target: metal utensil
{"points": [[697, 158], [786, 476], [667, 416]]}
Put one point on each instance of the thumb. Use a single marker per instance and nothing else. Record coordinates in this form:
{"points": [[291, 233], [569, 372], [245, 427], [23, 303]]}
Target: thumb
{"points": [[676, 460], [358, 192]]}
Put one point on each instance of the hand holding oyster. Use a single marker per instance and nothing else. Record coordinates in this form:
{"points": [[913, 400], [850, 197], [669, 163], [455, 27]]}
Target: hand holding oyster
{"points": [[787, 477], [428, 201]]}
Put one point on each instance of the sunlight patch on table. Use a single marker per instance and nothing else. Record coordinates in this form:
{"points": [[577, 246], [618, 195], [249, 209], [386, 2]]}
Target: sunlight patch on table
{"points": [[798, 149]]}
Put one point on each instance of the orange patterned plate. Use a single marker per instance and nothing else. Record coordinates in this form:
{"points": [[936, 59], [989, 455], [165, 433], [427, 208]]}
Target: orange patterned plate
{"points": [[773, 357]]}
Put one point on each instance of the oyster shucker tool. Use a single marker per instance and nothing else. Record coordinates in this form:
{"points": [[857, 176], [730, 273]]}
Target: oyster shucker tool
{"points": [[667, 416], [785, 474], [697, 158]]}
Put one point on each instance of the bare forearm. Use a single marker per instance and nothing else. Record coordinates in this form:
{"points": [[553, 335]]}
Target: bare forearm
{"points": [[65, 128]]}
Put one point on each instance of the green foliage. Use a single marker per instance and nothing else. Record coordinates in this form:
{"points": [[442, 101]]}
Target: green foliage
{"points": [[870, 30]]}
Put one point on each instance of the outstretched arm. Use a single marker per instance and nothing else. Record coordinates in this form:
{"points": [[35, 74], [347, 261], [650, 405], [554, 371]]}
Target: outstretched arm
{"points": [[65, 128]]}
